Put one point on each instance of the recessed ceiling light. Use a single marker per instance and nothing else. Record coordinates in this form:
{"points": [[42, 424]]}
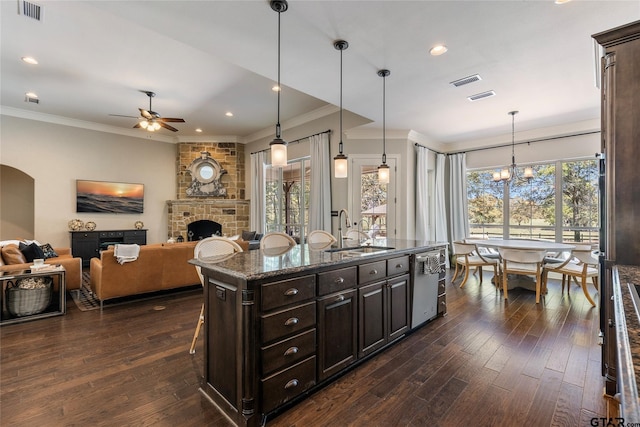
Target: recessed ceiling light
{"points": [[30, 60], [198, 130], [438, 50], [31, 95], [228, 114], [275, 88], [562, 1]]}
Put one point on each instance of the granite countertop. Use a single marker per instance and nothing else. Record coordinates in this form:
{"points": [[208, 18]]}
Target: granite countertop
{"points": [[628, 371], [258, 264]]}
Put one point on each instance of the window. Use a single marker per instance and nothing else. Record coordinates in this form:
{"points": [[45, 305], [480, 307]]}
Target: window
{"points": [[534, 210], [287, 198]]}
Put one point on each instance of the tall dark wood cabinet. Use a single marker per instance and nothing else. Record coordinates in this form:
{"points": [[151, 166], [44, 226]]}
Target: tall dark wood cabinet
{"points": [[620, 211]]}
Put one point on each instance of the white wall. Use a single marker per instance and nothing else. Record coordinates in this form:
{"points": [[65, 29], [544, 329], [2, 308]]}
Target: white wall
{"points": [[56, 155]]}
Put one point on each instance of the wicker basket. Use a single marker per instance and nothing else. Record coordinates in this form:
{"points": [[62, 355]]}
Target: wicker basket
{"points": [[25, 300]]}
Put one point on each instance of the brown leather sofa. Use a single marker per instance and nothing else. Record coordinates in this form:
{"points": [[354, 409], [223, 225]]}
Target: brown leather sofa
{"points": [[158, 267], [11, 258]]}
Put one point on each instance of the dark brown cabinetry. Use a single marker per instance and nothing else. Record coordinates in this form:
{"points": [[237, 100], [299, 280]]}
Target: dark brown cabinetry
{"points": [[620, 137], [88, 244]]}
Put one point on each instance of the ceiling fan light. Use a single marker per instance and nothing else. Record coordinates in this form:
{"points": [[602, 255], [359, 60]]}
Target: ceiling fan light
{"points": [[144, 124], [156, 125], [383, 174], [340, 164], [278, 152]]}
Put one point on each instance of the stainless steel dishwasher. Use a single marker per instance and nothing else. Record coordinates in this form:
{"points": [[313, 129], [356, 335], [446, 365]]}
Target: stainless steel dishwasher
{"points": [[426, 272]]}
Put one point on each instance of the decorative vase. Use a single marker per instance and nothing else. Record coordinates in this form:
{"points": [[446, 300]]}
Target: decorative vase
{"points": [[138, 225], [90, 225], [75, 225]]}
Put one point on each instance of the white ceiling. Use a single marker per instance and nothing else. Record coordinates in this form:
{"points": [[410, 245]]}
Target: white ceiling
{"points": [[204, 58]]}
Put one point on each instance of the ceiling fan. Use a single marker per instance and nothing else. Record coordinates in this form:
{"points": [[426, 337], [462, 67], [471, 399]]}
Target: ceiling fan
{"points": [[150, 120]]}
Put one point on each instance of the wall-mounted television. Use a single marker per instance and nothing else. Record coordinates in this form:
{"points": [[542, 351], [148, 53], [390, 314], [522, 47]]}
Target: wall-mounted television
{"points": [[109, 197]]}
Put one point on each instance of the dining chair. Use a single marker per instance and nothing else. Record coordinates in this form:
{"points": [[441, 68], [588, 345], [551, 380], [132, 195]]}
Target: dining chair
{"points": [[581, 264], [320, 236], [211, 246], [526, 262], [276, 239], [468, 256]]}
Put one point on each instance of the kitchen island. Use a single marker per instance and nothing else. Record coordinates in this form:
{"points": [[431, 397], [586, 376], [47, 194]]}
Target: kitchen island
{"points": [[281, 324]]}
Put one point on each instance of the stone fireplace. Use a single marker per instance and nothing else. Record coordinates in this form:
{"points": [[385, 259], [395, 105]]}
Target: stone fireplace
{"points": [[230, 211]]}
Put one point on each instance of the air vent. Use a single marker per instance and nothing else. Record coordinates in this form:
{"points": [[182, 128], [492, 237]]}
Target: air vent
{"points": [[30, 98], [466, 80], [30, 10], [482, 95]]}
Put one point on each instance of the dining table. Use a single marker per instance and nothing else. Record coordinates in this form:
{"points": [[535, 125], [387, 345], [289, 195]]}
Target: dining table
{"points": [[519, 281]]}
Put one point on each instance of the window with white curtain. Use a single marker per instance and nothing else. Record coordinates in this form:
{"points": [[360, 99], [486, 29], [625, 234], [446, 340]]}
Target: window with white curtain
{"points": [[287, 198]]}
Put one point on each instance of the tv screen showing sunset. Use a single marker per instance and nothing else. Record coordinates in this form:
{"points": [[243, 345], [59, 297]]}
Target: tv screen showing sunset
{"points": [[109, 197]]}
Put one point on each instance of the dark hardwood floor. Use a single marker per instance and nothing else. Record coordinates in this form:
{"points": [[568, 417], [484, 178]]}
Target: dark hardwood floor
{"points": [[487, 363]]}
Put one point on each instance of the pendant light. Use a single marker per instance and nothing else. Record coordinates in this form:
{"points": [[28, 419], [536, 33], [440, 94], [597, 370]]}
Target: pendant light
{"points": [[508, 174], [278, 145], [340, 163], [383, 169]]}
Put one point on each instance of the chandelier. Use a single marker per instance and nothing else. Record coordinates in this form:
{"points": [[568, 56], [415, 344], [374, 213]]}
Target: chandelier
{"points": [[508, 174], [383, 169]]}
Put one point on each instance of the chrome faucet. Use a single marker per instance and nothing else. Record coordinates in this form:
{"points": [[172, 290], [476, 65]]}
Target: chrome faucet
{"points": [[347, 223], [360, 232]]}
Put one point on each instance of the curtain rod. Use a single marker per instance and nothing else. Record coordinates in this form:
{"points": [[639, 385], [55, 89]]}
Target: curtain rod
{"points": [[509, 144], [295, 141]]}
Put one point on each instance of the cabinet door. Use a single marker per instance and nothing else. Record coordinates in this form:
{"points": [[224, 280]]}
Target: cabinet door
{"points": [[85, 245], [372, 318], [337, 332], [399, 306]]}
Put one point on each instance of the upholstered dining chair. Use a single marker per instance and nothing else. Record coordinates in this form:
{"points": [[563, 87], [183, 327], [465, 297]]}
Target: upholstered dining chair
{"points": [[527, 262], [581, 264], [209, 247], [320, 236], [467, 256], [276, 239]]}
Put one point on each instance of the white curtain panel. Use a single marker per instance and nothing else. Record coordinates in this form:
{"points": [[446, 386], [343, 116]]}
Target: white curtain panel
{"points": [[439, 230], [320, 192], [459, 212], [422, 194], [258, 205]]}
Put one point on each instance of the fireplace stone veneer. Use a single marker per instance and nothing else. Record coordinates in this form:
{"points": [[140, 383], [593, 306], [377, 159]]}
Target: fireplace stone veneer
{"points": [[232, 215]]}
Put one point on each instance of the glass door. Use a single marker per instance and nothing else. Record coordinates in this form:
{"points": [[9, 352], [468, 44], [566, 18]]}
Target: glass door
{"points": [[372, 205]]}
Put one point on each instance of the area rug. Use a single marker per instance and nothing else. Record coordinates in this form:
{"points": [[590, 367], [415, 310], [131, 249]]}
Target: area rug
{"points": [[85, 299]]}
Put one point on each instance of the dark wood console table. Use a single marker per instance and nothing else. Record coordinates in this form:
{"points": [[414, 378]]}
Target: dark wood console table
{"points": [[88, 244]]}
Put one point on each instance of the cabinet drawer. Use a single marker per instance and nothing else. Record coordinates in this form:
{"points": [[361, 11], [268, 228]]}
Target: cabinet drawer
{"points": [[289, 351], [398, 265], [285, 385], [372, 271], [287, 322], [112, 234], [287, 292], [336, 280]]}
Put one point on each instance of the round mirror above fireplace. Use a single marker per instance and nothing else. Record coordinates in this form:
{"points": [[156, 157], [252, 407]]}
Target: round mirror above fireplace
{"points": [[206, 173]]}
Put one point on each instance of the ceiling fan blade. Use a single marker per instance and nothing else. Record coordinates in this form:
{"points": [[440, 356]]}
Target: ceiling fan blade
{"points": [[144, 113], [122, 115], [171, 119], [166, 126], [137, 125]]}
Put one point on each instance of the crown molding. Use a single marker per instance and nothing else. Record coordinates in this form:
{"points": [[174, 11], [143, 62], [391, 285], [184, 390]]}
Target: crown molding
{"points": [[65, 121], [291, 123], [376, 133], [208, 138]]}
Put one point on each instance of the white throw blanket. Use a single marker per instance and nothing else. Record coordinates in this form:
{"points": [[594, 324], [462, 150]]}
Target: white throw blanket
{"points": [[126, 253]]}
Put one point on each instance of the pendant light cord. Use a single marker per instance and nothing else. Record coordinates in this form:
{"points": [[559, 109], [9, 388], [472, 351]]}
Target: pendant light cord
{"points": [[384, 121], [279, 87], [340, 145]]}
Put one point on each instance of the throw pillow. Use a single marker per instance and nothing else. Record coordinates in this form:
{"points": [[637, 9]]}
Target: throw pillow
{"points": [[31, 251], [12, 255], [258, 236], [48, 251], [248, 235]]}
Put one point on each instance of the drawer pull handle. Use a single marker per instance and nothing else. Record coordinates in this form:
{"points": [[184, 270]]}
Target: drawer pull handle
{"points": [[291, 384], [339, 280], [290, 351], [291, 321], [291, 292], [340, 298], [399, 266], [374, 271]]}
